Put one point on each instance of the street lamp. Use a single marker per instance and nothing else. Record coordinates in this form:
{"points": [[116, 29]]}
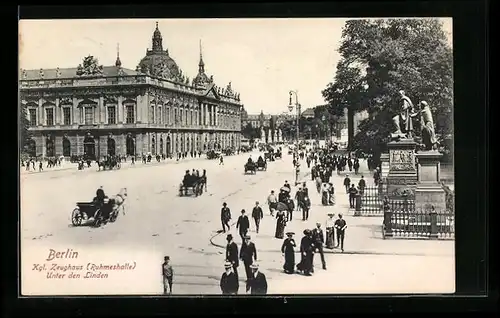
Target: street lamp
{"points": [[297, 108]]}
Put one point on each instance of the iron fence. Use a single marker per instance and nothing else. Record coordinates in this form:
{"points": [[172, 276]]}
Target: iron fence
{"points": [[370, 201], [402, 220]]}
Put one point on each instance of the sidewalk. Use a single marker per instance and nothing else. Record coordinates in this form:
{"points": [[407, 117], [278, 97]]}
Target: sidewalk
{"points": [[363, 234]]}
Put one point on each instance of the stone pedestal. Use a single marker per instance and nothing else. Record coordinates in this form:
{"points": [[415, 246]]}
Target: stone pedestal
{"points": [[429, 191], [384, 166], [402, 165]]}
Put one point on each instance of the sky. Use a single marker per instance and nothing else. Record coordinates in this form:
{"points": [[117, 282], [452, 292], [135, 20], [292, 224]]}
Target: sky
{"points": [[262, 58]]}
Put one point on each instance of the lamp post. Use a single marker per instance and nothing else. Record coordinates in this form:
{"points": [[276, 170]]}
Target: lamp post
{"points": [[297, 108]]}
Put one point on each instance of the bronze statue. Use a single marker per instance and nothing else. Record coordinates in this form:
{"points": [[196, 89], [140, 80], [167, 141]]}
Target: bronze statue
{"points": [[427, 125], [403, 121]]}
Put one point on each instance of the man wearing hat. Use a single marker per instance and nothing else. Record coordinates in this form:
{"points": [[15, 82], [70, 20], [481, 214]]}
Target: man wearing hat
{"points": [[347, 183], [168, 275], [232, 253], [225, 217], [330, 231], [319, 240], [257, 215], [243, 225], [248, 253], [257, 283], [288, 250], [229, 284], [340, 225]]}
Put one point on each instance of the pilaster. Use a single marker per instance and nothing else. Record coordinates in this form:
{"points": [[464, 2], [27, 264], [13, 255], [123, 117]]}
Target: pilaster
{"points": [[58, 144]]}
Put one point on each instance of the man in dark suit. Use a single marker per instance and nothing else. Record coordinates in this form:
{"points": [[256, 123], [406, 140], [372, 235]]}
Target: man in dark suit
{"points": [[229, 284], [319, 240], [340, 225], [257, 215], [248, 253], [232, 253], [225, 217], [257, 283], [243, 225]]}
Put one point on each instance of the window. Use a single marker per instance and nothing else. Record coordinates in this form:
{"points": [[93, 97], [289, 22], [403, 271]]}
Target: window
{"points": [[111, 115], [152, 114], [67, 116], [181, 116], [32, 114], [130, 114], [49, 113], [191, 118], [175, 116], [89, 116], [167, 120], [160, 115]]}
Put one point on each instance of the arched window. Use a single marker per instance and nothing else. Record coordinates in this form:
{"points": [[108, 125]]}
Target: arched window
{"points": [[111, 147], [31, 148], [50, 149], [161, 146], [66, 147], [130, 145], [153, 146]]}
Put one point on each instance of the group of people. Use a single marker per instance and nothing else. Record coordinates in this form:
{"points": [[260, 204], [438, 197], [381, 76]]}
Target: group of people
{"points": [[194, 178], [332, 162]]}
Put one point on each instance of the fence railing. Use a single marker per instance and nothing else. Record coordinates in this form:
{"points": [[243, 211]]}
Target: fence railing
{"points": [[370, 201], [402, 220]]}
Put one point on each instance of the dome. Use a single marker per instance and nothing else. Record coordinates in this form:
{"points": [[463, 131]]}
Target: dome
{"points": [[159, 64]]}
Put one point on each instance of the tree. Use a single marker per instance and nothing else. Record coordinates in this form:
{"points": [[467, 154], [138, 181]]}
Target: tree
{"points": [[381, 57], [250, 132]]}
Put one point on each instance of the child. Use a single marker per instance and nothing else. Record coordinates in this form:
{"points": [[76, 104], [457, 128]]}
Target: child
{"points": [[168, 274]]}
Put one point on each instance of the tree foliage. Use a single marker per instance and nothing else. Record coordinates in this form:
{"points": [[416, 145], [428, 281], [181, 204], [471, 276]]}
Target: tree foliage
{"points": [[381, 57], [250, 132]]}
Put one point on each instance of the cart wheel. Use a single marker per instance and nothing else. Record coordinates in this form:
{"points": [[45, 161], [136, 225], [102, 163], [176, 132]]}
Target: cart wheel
{"points": [[97, 218], [76, 217], [119, 166], [113, 216]]}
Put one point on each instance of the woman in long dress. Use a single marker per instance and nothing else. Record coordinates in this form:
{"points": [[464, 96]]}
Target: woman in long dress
{"points": [[280, 224], [289, 252]]}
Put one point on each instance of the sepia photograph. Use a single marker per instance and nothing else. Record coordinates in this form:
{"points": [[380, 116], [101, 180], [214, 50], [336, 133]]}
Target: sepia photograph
{"points": [[264, 156]]}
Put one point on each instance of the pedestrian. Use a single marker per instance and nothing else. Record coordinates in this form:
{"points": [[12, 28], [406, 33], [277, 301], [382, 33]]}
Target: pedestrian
{"points": [[289, 210], [243, 225], [347, 183], [221, 160], [352, 196], [305, 208], [340, 226], [280, 224], [248, 253], [272, 202], [330, 231], [319, 241], [257, 215], [306, 253], [229, 284], [168, 275], [288, 251], [225, 217], [232, 253], [362, 185], [40, 166], [257, 284]]}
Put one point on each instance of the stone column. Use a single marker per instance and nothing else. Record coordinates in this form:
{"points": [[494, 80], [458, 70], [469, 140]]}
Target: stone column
{"points": [[41, 115], [58, 144], [101, 110], [40, 145], [384, 169], [74, 145], [103, 146], [138, 145], [79, 144], [120, 110], [75, 112], [216, 117], [145, 143], [57, 114]]}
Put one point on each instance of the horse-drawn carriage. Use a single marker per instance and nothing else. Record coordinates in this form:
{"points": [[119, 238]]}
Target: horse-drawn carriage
{"points": [[212, 154], [192, 185], [278, 155], [251, 167], [99, 213], [110, 162], [262, 165], [269, 156]]}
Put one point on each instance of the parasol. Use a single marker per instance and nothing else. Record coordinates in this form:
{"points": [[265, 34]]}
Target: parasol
{"points": [[286, 189], [281, 206]]}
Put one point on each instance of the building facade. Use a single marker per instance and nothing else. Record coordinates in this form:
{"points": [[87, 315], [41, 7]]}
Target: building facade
{"points": [[94, 110]]}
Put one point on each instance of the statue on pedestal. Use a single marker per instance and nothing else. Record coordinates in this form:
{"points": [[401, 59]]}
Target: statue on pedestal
{"points": [[427, 125], [262, 134], [403, 121]]}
